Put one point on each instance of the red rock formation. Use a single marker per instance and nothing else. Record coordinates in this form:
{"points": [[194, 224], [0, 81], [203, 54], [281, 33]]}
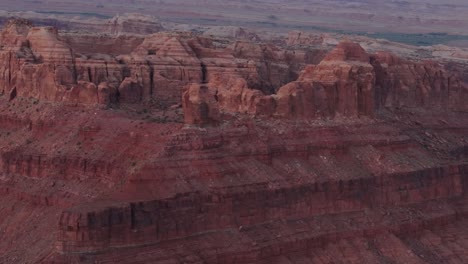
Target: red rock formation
{"points": [[200, 106], [348, 80], [345, 83], [36, 63], [342, 84], [288, 173], [426, 84], [40, 55], [102, 44], [156, 68]]}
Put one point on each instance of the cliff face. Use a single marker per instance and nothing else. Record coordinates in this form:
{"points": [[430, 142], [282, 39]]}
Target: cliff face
{"points": [[36, 63], [347, 79], [221, 151], [347, 83], [426, 84]]}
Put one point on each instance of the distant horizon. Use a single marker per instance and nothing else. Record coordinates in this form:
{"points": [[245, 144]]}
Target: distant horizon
{"points": [[413, 17], [415, 32]]}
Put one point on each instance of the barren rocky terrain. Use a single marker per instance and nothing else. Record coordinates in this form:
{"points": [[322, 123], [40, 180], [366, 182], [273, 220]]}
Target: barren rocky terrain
{"points": [[135, 139]]}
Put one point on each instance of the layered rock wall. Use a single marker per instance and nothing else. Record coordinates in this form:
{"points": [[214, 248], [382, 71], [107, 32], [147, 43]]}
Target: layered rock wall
{"points": [[288, 181], [150, 222]]}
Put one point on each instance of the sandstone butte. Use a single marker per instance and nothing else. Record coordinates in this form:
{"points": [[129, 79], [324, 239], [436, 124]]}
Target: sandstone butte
{"points": [[186, 148]]}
